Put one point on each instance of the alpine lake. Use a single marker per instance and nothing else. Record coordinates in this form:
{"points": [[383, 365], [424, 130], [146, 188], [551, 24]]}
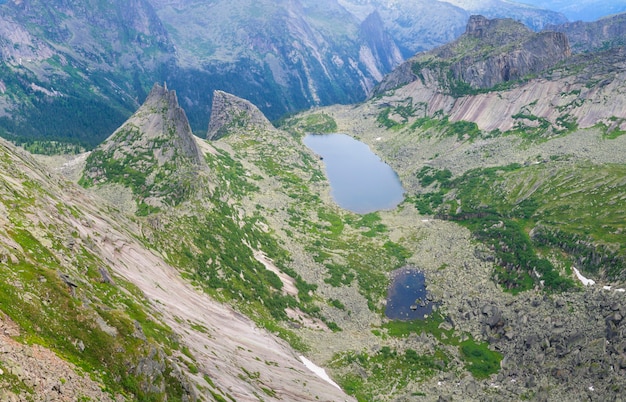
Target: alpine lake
{"points": [[362, 183]]}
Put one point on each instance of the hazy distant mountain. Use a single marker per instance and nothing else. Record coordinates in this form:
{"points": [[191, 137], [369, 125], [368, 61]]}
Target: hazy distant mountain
{"points": [[418, 25], [584, 10], [281, 55], [74, 71]]}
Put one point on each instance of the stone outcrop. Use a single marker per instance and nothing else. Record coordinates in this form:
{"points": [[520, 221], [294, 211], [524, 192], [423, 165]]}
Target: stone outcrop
{"points": [[490, 52], [230, 112], [154, 153], [601, 34], [379, 54], [497, 72], [517, 52]]}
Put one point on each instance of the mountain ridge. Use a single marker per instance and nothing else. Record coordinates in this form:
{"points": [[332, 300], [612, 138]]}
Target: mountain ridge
{"points": [[76, 72], [154, 153], [512, 191]]}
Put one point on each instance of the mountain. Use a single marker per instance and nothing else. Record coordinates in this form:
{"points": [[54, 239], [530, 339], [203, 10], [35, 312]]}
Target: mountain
{"points": [[605, 33], [584, 10], [154, 153], [283, 56], [490, 52], [417, 26], [468, 80], [191, 269], [72, 73], [91, 311], [229, 111]]}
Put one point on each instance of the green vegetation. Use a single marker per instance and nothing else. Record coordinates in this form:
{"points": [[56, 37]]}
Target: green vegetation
{"points": [[615, 131], [316, 123], [43, 147], [319, 123], [389, 370], [396, 117], [50, 124], [172, 182], [533, 128], [479, 359], [50, 312], [439, 123], [501, 205]]}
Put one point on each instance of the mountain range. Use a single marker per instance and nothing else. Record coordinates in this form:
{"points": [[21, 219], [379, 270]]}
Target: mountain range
{"points": [[168, 265], [72, 73]]}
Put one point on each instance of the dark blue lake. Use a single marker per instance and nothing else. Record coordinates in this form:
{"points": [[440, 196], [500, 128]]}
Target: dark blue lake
{"points": [[360, 181], [407, 298]]}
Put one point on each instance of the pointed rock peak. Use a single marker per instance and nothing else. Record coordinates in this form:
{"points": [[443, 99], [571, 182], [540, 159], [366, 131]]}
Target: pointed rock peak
{"points": [[230, 113], [481, 27], [159, 125], [154, 153]]}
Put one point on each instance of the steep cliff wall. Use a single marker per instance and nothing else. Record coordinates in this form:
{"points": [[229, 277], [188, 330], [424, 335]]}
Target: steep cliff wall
{"points": [[490, 52]]}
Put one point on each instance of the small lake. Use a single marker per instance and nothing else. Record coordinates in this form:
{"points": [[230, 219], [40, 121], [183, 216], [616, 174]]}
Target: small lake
{"points": [[360, 181], [407, 298]]}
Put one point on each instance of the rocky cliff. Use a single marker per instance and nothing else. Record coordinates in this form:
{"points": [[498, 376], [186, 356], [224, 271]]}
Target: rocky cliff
{"points": [[489, 53], [230, 113], [379, 52], [285, 56], [501, 89], [602, 34], [154, 153]]}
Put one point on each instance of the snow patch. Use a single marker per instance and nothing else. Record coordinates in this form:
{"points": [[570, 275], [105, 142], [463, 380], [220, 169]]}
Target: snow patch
{"points": [[320, 372], [585, 281]]}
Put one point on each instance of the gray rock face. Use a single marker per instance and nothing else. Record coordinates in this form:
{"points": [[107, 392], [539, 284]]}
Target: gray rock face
{"points": [[230, 112], [490, 52], [171, 124], [157, 150], [604, 33]]}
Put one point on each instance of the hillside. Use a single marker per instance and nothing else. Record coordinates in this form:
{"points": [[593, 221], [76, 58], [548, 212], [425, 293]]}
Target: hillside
{"points": [[74, 72], [192, 269], [107, 318], [532, 168]]}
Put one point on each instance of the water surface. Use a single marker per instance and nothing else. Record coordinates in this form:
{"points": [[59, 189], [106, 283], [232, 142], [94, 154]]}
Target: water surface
{"points": [[407, 298], [360, 181]]}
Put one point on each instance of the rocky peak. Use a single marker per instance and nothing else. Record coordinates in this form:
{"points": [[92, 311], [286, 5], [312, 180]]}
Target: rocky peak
{"points": [[491, 52], [230, 112], [477, 25], [481, 27], [163, 119], [605, 33], [154, 153], [379, 53]]}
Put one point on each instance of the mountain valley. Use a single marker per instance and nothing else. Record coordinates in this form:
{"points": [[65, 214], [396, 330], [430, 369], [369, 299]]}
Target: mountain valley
{"points": [[165, 266]]}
